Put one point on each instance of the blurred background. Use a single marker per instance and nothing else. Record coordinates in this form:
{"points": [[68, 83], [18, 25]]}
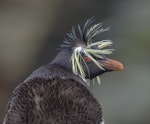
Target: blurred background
{"points": [[31, 30]]}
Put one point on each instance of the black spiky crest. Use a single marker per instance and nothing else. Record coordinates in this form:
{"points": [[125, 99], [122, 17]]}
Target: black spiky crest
{"points": [[86, 34]]}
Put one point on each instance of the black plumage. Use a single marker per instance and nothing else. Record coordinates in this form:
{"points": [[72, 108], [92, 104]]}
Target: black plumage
{"points": [[55, 93]]}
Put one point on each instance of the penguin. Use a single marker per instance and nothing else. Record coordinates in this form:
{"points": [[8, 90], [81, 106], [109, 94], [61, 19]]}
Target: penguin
{"points": [[58, 93]]}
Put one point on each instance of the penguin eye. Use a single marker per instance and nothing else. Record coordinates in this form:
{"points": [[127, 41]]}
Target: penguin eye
{"points": [[86, 59]]}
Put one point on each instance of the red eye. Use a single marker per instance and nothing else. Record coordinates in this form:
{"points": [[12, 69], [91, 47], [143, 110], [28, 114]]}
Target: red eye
{"points": [[86, 59]]}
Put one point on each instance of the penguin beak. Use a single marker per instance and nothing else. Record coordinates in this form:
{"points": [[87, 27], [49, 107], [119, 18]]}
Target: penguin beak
{"points": [[112, 65]]}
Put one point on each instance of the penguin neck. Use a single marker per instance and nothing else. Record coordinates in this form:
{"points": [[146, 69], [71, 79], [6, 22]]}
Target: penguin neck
{"points": [[63, 59]]}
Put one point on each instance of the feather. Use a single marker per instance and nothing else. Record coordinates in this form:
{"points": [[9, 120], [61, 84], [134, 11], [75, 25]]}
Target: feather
{"points": [[85, 46]]}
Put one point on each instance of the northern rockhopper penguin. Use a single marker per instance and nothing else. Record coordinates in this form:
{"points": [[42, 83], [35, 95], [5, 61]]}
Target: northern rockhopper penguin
{"points": [[58, 92]]}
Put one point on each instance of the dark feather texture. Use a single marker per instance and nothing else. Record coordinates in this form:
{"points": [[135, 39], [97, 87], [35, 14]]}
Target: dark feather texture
{"points": [[53, 95]]}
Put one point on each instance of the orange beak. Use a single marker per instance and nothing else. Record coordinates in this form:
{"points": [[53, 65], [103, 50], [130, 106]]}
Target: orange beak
{"points": [[112, 65]]}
